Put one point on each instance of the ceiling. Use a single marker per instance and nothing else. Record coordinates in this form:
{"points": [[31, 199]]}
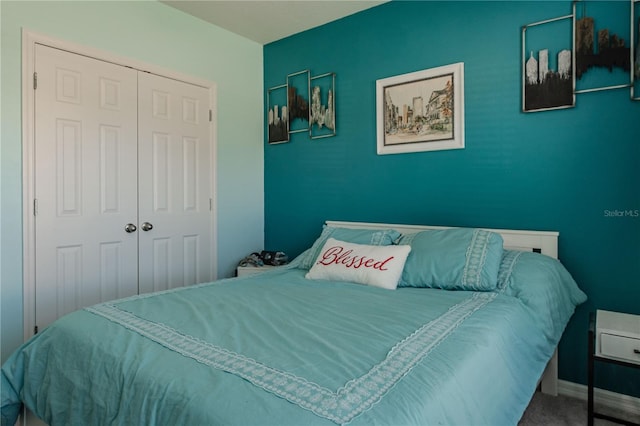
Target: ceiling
{"points": [[267, 21]]}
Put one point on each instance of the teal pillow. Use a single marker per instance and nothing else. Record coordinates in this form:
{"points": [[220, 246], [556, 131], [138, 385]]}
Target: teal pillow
{"points": [[453, 259], [508, 262], [384, 237]]}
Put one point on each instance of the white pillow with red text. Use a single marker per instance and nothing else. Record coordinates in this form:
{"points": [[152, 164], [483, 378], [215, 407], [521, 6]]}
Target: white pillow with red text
{"points": [[378, 266]]}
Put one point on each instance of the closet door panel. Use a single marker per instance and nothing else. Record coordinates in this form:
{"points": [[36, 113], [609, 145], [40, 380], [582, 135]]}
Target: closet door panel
{"points": [[174, 183], [85, 182]]}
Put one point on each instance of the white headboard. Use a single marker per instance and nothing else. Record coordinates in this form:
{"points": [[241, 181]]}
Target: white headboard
{"points": [[545, 242]]}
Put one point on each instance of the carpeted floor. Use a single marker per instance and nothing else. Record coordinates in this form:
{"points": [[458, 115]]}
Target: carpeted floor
{"points": [[545, 410]]}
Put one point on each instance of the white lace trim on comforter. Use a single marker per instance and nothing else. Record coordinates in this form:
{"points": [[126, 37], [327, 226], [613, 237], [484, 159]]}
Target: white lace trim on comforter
{"points": [[341, 406]]}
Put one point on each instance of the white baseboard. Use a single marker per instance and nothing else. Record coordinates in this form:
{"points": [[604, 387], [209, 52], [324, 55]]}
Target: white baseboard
{"points": [[617, 401]]}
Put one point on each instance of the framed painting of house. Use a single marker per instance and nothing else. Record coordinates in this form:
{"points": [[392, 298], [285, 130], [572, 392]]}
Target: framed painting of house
{"points": [[421, 111]]}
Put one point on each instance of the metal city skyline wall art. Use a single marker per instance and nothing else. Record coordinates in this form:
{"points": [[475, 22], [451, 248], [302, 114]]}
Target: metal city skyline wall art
{"points": [[558, 52], [304, 104], [547, 77]]}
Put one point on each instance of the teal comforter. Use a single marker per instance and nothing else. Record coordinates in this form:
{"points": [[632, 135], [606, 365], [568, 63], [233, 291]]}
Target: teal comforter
{"points": [[277, 349]]}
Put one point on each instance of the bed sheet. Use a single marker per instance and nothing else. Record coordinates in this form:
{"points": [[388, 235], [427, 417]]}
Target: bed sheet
{"points": [[277, 349]]}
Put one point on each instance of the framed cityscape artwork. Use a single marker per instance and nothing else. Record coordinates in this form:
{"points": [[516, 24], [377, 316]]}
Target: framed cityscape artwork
{"points": [[421, 111]]}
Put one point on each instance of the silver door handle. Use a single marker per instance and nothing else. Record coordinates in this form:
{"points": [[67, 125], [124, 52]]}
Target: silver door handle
{"points": [[146, 226], [130, 228]]}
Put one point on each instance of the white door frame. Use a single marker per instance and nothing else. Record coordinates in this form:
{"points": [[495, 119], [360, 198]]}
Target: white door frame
{"points": [[29, 41]]}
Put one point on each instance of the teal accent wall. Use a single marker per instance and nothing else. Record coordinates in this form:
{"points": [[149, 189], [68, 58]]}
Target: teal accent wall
{"points": [[576, 170], [154, 33]]}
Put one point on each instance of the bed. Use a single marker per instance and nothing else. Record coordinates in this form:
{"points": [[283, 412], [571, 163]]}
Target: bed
{"points": [[458, 331]]}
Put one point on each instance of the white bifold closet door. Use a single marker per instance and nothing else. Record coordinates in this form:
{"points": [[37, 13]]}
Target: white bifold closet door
{"points": [[122, 183], [174, 178]]}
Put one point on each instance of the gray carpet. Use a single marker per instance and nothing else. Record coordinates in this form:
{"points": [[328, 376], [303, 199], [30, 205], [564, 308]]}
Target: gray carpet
{"points": [[565, 411]]}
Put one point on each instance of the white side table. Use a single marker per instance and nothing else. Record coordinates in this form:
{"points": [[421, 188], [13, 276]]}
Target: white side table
{"points": [[614, 338], [243, 271]]}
